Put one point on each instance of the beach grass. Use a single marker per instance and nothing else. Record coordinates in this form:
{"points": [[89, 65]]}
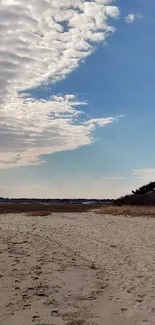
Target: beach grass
{"points": [[133, 211]]}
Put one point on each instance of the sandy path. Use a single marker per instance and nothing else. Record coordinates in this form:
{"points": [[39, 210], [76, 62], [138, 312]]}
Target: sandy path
{"points": [[77, 269]]}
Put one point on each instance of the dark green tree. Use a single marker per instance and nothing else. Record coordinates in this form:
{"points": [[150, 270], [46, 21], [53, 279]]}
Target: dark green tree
{"points": [[145, 189]]}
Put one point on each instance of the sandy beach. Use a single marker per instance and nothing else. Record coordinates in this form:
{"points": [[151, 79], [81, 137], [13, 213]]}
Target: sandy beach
{"points": [[77, 269]]}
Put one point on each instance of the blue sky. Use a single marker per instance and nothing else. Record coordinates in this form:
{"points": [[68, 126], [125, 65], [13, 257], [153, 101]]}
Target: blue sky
{"points": [[107, 149]]}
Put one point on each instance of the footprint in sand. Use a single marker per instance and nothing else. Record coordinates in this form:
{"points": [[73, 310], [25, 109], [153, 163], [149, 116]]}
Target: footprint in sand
{"points": [[26, 306], [76, 322], [55, 313], [17, 288], [35, 318], [124, 310], [93, 266]]}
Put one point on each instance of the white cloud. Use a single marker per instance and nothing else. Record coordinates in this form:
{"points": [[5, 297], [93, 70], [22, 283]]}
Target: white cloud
{"points": [[114, 178], [130, 18], [43, 127], [145, 174], [43, 41]]}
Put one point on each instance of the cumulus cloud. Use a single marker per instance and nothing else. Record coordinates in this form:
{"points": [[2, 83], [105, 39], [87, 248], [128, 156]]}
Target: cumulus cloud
{"points": [[130, 18], [42, 42]]}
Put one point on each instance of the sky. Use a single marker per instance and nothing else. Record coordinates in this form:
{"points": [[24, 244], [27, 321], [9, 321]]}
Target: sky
{"points": [[76, 97]]}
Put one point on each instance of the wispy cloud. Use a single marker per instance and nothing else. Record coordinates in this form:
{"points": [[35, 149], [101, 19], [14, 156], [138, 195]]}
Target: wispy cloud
{"points": [[130, 18], [145, 174], [43, 127], [42, 42]]}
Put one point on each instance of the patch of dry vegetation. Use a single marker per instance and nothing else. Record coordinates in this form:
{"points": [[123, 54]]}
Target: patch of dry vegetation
{"points": [[38, 209], [133, 211], [38, 213]]}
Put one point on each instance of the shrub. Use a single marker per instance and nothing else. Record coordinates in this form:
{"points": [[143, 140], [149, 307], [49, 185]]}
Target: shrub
{"points": [[145, 195]]}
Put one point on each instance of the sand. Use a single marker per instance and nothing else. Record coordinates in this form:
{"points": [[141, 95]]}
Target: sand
{"points": [[77, 269]]}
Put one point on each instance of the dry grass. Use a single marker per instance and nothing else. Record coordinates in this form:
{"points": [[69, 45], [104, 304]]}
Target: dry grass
{"points": [[37, 209], [133, 211], [38, 213]]}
